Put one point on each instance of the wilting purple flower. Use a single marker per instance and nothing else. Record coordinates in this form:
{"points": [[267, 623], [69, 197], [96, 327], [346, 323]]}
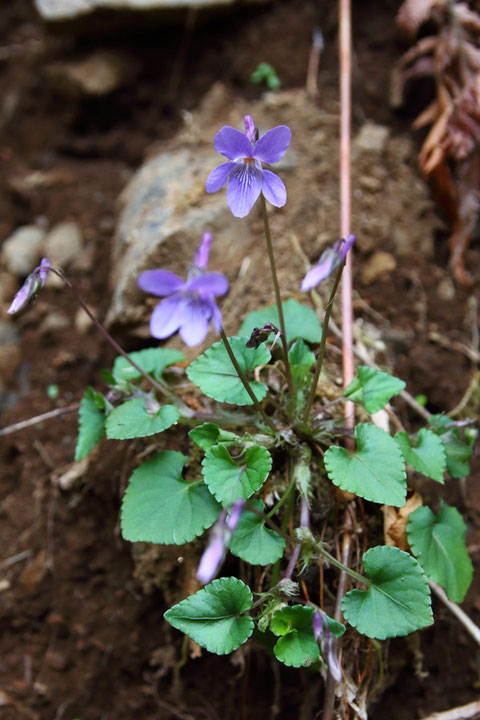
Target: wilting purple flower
{"points": [[33, 283], [189, 306], [330, 259], [220, 536], [326, 644], [243, 172]]}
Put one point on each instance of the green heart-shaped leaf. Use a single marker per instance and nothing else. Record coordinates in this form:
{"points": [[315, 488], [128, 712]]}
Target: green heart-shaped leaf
{"points": [[300, 321], [438, 543], [253, 542], [398, 599], [131, 420], [373, 388], [159, 506], [229, 479], [426, 456], [213, 617], [375, 471], [214, 374]]}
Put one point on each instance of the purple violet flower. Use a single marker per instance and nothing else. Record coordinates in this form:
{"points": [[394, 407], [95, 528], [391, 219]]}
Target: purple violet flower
{"points": [[33, 283], [326, 644], [243, 172], [220, 536], [188, 306], [330, 259]]}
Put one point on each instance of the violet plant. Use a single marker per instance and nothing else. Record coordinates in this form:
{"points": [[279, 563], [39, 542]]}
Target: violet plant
{"points": [[272, 458]]}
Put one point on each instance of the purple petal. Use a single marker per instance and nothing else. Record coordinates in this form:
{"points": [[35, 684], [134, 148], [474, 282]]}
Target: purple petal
{"points": [[244, 186], [160, 282], [273, 189], [250, 129], [273, 145], [167, 317], [219, 177], [232, 143], [319, 625], [234, 517], [42, 271], [201, 255], [209, 284], [23, 296], [216, 315], [211, 560], [329, 261], [346, 246], [196, 314]]}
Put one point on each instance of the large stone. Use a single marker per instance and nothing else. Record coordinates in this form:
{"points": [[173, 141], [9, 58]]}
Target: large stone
{"points": [[165, 212], [165, 209]]}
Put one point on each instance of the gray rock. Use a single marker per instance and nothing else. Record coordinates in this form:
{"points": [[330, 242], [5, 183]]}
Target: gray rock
{"points": [[371, 138], [64, 244], [165, 212], [97, 74], [57, 10], [22, 251]]}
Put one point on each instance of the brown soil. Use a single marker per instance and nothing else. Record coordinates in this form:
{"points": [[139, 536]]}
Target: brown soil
{"points": [[82, 628]]}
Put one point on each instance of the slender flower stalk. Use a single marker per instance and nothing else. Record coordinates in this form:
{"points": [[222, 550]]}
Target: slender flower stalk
{"points": [[304, 523], [161, 388], [323, 342], [278, 298], [245, 383]]}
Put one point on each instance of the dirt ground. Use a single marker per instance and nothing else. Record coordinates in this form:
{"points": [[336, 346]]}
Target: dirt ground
{"points": [[82, 632]]}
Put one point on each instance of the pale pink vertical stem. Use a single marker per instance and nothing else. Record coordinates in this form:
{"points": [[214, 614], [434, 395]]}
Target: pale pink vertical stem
{"points": [[345, 57], [345, 43]]}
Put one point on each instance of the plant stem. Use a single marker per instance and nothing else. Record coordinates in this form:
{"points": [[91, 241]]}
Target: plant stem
{"points": [[284, 497], [278, 299], [245, 382], [323, 343], [345, 70], [105, 333], [39, 418], [285, 519], [304, 522]]}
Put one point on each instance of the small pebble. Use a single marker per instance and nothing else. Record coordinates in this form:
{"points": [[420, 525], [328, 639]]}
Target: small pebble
{"points": [[22, 251]]}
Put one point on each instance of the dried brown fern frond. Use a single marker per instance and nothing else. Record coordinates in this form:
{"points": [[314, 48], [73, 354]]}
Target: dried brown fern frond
{"points": [[450, 154]]}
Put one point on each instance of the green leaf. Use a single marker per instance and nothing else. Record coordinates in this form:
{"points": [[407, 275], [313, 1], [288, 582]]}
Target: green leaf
{"points": [[373, 388], [152, 360], [438, 543], [209, 434], [457, 452], [214, 374], [213, 616], [131, 420], [398, 599], [253, 542], [297, 646], [159, 506], [300, 321], [301, 360], [375, 471], [230, 480], [427, 456], [91, 422]]}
